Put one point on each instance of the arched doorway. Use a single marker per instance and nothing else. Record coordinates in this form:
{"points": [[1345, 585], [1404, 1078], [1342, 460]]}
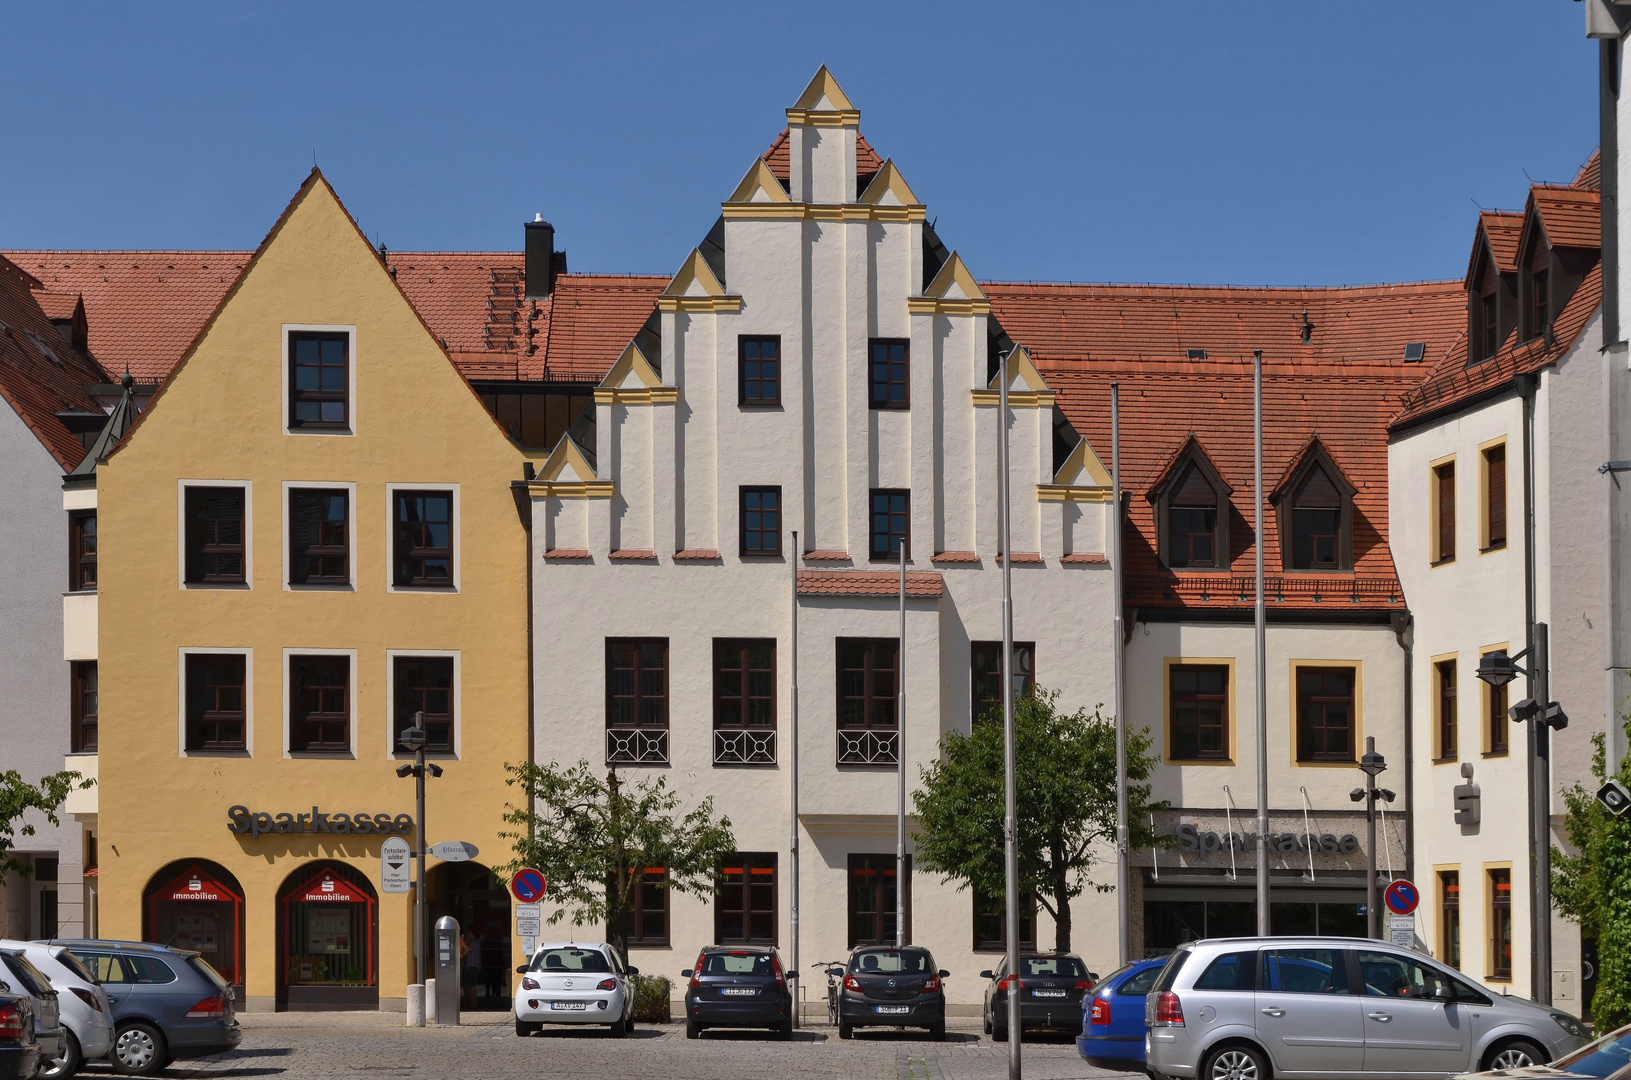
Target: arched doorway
{"points": [[198, 904], [327, 939], [475, 896]]}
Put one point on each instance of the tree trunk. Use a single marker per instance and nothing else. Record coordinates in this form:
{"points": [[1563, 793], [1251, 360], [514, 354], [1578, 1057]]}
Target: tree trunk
{"points": [[1061, 897], [617, 885]]}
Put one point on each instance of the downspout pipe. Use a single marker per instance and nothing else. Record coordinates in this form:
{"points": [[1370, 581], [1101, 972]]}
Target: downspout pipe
{"points": [[1527, 385], [1404, 631]]}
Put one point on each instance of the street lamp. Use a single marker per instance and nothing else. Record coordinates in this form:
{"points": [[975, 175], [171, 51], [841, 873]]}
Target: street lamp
{"points": [[413, 741], [1373, 765], [1497, 669]]}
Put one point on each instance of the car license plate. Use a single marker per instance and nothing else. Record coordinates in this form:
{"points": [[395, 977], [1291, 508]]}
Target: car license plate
{"points": [[567, 1006], [1048, 993], [739, 991], [894, 1010]]}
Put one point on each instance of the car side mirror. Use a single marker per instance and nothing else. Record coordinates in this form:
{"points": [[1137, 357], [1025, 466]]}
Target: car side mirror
{"points": [[633, 970], [1444, 994], [944, 974], [986, 974], [792, 975], [521, 970], [686, 974]]}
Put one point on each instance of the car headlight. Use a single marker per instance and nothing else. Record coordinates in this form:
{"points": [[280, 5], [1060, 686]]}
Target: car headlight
{"points": [[1569, 1024]]}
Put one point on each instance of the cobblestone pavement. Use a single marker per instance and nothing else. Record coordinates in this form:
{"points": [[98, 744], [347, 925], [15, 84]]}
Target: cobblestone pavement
{"points": [[298, 1046]]}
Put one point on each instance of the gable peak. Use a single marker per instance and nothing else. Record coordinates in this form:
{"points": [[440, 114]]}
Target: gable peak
{"points": [[954, 282], [888, 188], [695, 278], [759, 186], [823, 94]]}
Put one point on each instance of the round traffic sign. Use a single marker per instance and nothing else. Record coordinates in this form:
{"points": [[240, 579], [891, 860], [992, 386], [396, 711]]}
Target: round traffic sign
{"points": [[527, 886], [1402, 897]]}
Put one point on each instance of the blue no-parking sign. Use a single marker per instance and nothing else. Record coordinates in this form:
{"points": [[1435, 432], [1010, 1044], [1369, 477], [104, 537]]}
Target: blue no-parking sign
{"points": [[527, 886], [1402, 897]]}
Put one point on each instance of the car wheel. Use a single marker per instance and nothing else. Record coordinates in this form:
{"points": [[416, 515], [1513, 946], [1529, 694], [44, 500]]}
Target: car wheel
{"points": [[139, 1050], [693, 1030], [937, 1032], [999, 1034], [986, 1017], [618, 1027], [846, 1031], [1235, 1063], [1517, 1054], [66, 1065], [523, 1029], [784, 1030]]}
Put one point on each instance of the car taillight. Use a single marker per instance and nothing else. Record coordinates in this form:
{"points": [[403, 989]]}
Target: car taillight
{"points": [[607, 984], [852, 983], [529, 983], [11, 1022], [1010, 980], [87, 997], [776, 969], [1101, 1012], [1084, 984], [211, 1008], [932, 984], [696, 972], [1168, 1011]]}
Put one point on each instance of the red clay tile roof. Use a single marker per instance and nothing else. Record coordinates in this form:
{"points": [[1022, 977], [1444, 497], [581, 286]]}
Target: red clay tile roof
{"points": [[696, 555], [867, 160], [879, 583], [1452, 382], [1085, 557], [632, 555], [567, 553], [820, 555], [1591, 173], [1504, 228], [40, 375], [1572, 217], [956, 557], [1347, 405], [591, 319], [57, 305], [1354, 323]]}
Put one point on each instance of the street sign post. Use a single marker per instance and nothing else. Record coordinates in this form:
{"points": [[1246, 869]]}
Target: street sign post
{"points": [[527, 886], [1401, 897], [1614, 797], [1401, 930], [394, 857], [454, 851]]}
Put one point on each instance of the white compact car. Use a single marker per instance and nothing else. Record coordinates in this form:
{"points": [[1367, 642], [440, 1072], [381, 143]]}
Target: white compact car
{"points": [[81, 1001], [575, 983]]}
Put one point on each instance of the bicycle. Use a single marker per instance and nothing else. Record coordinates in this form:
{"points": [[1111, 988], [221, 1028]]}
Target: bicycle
{"points": [[831, 967]]}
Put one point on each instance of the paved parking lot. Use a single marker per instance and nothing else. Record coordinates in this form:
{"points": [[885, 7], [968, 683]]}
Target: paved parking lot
{"points": [[297, 1046]]}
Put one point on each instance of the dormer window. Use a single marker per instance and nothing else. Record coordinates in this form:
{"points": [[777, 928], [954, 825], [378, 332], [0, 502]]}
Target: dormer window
{"points": [[1491, 328], [1315, 503], [1541, 280], [1192, 513]]}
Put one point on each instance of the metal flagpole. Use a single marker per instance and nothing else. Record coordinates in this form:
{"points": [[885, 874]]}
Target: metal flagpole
{"points": [[900, 760], [1010, 797], [1124, 900], [793, 762], [1262, 655]]}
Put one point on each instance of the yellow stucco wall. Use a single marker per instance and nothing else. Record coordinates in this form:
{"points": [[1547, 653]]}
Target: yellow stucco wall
{"points": [[221, 417]]}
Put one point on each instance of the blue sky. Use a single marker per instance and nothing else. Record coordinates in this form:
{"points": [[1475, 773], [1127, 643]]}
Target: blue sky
{"points": [[1279, 143]]}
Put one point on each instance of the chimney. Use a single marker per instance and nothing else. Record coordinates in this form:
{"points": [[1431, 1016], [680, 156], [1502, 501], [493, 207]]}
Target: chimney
{"points": [[540, 258]]}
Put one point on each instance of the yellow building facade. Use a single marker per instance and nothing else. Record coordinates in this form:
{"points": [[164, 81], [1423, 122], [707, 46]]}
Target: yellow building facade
{"points": [[308, 540]]}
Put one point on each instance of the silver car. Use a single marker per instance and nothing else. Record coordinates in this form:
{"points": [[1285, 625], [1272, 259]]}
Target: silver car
{"points": [[1310, 1008], [81, 1002], [18, 976]]}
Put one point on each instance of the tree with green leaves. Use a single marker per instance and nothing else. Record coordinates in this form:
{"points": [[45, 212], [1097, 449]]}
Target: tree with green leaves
{"points": [[1065, 769], [17, 797], [595, 839], [1593, 888]]}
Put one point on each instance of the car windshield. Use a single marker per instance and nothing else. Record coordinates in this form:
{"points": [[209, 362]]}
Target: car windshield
{"points": [[1607, 1055], [569, 959], [77, 966], [891, 962], [738, 963], [1066, 967]]}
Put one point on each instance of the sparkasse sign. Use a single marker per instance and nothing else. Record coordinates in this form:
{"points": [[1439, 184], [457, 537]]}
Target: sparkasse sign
{"points": [[241, 821]]}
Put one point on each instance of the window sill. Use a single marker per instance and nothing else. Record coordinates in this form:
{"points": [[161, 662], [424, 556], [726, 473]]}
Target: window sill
{"points": [[316, 586], [80, 592], [225, 586], [1498, 978], [315, 429], [82, 753], [762, 556], [430, 755], [449, 590], [1497, 753], [1492, 548], [1215, 762], [768, 406], [1349, 763], [322, 755], [903, 407], [1446, 760], [215, 753], [1441, 562]]}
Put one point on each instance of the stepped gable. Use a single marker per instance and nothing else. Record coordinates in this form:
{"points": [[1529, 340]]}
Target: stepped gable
{"points": [[867, 161]]}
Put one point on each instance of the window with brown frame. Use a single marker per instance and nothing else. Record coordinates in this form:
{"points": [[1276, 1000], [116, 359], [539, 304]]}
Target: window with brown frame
{"points": [[890, 373], [424, 684], [1499, 884], [891, 523], [745, 701], [985, 676], [82, 552], [1498, 735], [991, 923], [1492, 340], [636, 700], [758, 372], [1192, 522], [319, 380], [1448, 717], [1449, 918], [1495, 497], [1316, 523], [1542, 302], [648, 909], [867, 733], [83, 686], [761, 520], [216, 702], [745, 899], [319, 536], [1198, 696], [872, 900], [1325, 714], [423, 525], [320, 703], [1444, 505], [215, 535]]}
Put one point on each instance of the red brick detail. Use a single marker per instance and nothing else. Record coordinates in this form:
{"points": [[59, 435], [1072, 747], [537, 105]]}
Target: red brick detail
{"points": [[1024, 558], [1078, 558], [696, 555], [826, 556], [567, 553], [956, 558], [878, 583], [632, 555]]}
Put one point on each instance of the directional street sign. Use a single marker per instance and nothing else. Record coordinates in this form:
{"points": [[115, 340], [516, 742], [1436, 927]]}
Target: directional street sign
{"points": [[527, 886], [1614, 797], [1402, 897], [393, 865], [454, 851]]}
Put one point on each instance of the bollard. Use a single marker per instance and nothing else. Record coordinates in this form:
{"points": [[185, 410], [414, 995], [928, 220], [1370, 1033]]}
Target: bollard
{"points": [[416, 1005]]}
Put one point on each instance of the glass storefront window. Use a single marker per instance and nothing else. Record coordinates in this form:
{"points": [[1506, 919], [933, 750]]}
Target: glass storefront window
{"points": [[200, 908], [328, 932], [1170, 923]]}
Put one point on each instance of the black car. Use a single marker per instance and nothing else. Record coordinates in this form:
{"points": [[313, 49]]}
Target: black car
{"points": [[740, 986], [1051, 987], [19, 1053], [890, 986]]}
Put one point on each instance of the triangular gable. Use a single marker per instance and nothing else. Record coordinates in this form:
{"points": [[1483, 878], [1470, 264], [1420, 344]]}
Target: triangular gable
{"points": [[567, 464], [888, 184], [1313, 452], [1190, 450], [823, 95], [1083, 468], [759, 186], [954, 282], [695, 278], [1021, 371], [632, 371]]}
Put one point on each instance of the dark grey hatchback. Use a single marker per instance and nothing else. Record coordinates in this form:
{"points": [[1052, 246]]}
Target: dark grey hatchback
{"points": [[167, 1003], [740, 986], [1050, 986], [886, 986]]}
